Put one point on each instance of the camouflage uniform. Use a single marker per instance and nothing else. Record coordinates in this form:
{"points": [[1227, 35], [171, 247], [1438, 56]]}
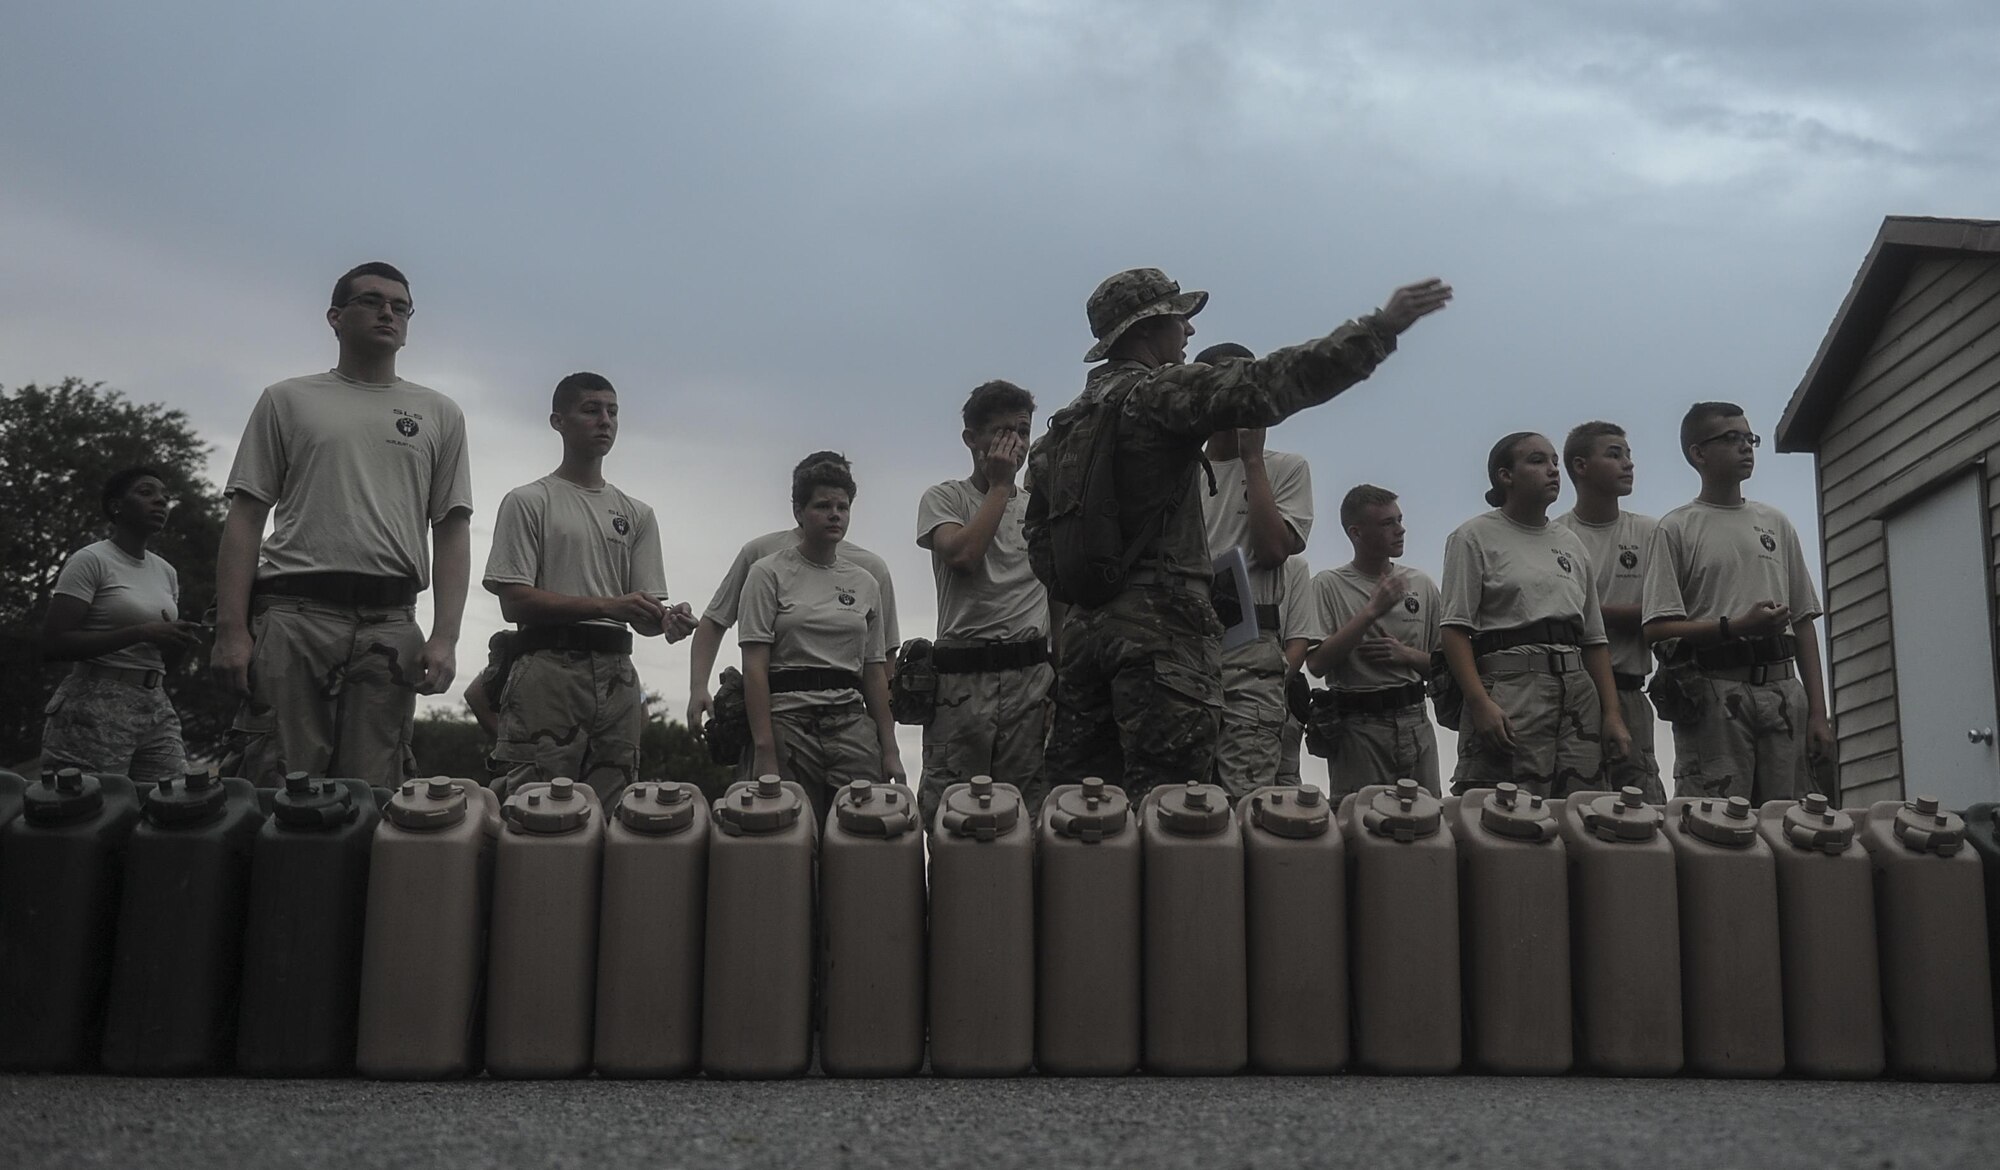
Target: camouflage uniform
{"points": [[575, 713], [1746, 739], [824, 748], [988, 723], [1138, 695], [1249, 750], [104, 725], [1557, 723]]}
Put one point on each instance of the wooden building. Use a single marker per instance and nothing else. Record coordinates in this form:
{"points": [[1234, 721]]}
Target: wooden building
{"points": [[1901, 412]]}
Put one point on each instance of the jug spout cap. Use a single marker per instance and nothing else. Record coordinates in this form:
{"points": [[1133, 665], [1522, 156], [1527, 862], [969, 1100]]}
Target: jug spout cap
{"points": [[766, 786]]}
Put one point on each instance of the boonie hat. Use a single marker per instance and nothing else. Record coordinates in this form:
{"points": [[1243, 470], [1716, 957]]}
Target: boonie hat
{"points": [[1130, 297]]}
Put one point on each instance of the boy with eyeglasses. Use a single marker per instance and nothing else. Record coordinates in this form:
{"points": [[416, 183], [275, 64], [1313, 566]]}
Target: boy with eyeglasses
{"points": [[316, 624], [1729, 607]]}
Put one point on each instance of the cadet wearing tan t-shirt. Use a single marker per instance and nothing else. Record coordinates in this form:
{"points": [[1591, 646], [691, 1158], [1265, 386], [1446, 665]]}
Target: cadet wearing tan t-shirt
{"points": [[1299, 627], [1618, 554]]}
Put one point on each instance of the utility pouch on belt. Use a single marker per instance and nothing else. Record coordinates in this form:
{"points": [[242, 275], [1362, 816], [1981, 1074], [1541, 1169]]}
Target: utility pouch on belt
{"points": [[1323, 725], [1298, 696], [727, 731], [1676, 692], [1447, 701], [913, 690]]}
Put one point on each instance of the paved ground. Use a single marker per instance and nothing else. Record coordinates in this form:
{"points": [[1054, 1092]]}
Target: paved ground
{"points": [[1236, 1122]]}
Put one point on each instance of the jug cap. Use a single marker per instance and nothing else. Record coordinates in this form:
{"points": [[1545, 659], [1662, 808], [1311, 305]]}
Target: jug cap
{"points": [[436, 803], [1088, 812], [980, 809], [70, 794], [307, 804], [1923, 827], [1621, 816], [1508, 812], [763, 805], [198, 797], [1193, 809], [549, 808], [1287, 810], [1727, 823], [1815, 825], [867, 809], [1403, 811], [657, 808]]}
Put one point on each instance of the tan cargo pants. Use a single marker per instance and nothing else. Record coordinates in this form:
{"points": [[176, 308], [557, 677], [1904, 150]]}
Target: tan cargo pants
{"points": [[1748, 740], [988, 723], [824, 749], [1249, 751], [1557, 724], [106, 726], [1641, 769], [1382, 747], [574, 713], [333, 691]]}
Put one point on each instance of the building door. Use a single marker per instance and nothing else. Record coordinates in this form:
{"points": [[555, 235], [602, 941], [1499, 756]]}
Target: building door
{"points": [[1940, 614]]}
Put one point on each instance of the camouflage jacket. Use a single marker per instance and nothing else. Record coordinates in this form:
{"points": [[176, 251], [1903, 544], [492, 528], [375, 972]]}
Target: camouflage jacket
{"points": [[1170, 415]]}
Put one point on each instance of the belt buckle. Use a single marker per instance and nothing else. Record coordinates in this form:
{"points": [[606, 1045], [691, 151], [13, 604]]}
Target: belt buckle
{"points": [[1760, 673], [151, 678], [1558, 661]]}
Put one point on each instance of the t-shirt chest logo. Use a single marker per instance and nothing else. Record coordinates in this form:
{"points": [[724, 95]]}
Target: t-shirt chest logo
{"points": [[1410, 603], [408, 426], [1563, 562], [620, 524], [1629, 559], [846, 598], [1769, 542]]}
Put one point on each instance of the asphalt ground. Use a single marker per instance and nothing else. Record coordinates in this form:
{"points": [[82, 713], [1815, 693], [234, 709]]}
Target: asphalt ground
{"points": [[1262, 1122]]}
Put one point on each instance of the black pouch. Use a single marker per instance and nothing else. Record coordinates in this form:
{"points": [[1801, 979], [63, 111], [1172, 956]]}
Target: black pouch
{"points": [[1446, 699], [913, 689], [1324, 727], [1675, 690], [727, 731], [1298, 696]]}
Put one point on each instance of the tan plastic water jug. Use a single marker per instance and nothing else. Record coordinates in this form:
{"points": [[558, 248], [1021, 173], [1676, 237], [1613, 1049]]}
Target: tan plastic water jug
{"points": [[649, 933], [1732, 978], [982, 932], [871, 873], [1197, 957], [1625, 942], [423, 949], [1087, 1006], [1513, 902], [1295, 890], [1403, 928], [542, 966], [1930, 925], [757, 973], [1826, 933]]}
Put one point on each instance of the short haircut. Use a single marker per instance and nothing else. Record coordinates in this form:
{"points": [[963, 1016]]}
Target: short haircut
{"points": [[1696, 420], [121, 482], [344, 287], [991, 400], [821, 457], [576, 386], [1501, 458], [1582, 440], [1223, 351], [1363, 495], [810, 476]]}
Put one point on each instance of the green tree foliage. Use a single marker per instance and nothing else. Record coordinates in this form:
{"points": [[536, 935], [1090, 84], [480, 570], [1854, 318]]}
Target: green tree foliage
{"points": [[58, 444], [449, 743]]}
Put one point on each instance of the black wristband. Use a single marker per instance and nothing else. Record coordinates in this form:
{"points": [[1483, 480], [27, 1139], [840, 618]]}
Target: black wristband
{"points": [[1723, 628]]}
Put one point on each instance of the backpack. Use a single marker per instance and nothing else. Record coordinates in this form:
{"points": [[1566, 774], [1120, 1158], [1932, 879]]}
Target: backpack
{"points": [[1075, 542]]}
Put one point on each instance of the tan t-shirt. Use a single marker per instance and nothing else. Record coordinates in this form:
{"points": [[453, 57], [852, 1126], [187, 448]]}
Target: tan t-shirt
{"points": [[1298, 616], [119, 590], [1001, 600], [584, 542], [1712, 560], [812, 615], [355, 473], [1618, 553], [1343, 592], [728, 599], [1227, 513], [1500, 575]]}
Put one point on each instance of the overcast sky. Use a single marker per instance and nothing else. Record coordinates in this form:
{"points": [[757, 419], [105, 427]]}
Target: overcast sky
{"points": [[779, 227]]}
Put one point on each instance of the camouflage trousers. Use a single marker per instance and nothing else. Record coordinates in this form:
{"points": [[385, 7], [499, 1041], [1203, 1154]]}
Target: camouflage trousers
{"points": [[823, 749], [1249, 751], [1641, 769], [333, 691], [1382, 747], [574, 713], [103, 725], [988, 723], [1138, 695], [1290, 740], [1746, 739], [1557, 725]]}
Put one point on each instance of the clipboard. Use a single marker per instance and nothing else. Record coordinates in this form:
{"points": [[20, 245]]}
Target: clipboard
{"points": [[1230, 592]]}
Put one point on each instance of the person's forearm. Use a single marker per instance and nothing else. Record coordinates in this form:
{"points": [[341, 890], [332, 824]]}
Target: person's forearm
{"points": [[1623, 619], [1271, 539], [73, 645], [965, 550], [451, 556], [875, 693], [1464, 666], [757, 698], [1810, 673], [702, 648], [1295, 653], [236, 563], [1597, 664], [1706, 630], [528, 606], [1334, 650]]}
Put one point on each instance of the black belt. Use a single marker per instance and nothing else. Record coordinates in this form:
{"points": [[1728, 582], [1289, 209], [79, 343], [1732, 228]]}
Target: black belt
{"points": [[1267, 618], [591, 639], [813, 678], [350, 589], [1629, 682], [1386, 699], [1553, 631], [1740, 652], [991, 656]]}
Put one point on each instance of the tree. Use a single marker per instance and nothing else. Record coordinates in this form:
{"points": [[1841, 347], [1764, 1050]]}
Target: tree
{"points": [[58, 444]]}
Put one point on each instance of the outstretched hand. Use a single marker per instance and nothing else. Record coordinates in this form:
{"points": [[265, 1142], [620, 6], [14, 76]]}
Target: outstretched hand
{"points": [[1412, 301]]}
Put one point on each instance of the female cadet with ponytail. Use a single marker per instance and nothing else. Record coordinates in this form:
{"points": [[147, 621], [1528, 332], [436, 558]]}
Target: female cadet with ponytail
{"points": [[815, 674], [1524, 638]]}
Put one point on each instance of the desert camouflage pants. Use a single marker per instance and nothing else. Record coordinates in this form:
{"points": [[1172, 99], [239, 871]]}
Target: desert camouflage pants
{"points": [[106, 726], [574, 713], [824, 749], [1557, 724], [1249, 750], [1382, 747], [1747, 739], [333, 691], [1641, 769], [1138, 696], [1290, 740], [988, 723]]}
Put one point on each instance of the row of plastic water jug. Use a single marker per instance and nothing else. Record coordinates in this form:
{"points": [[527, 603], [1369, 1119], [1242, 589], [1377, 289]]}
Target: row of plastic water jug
{"points": [[1498, 932]]}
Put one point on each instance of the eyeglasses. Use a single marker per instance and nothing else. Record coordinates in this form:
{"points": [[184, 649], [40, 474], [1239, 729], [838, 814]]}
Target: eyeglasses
{"points": [[376, 302], [1734, 439]]}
